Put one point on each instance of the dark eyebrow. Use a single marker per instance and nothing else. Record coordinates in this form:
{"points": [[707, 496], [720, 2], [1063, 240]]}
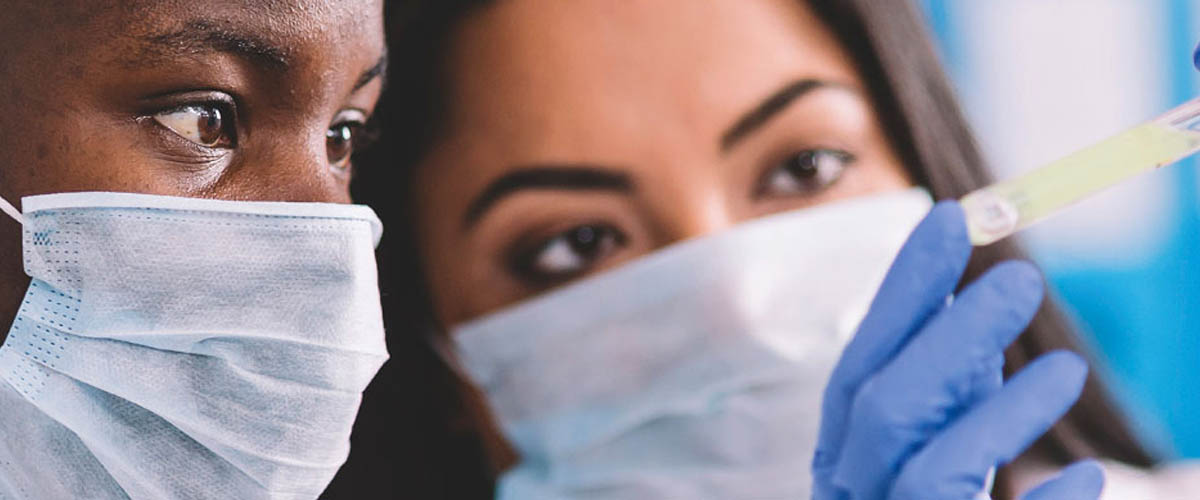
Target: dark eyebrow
{"points": [[770, 107], [202, 36], [376, 71], [569, 178]]}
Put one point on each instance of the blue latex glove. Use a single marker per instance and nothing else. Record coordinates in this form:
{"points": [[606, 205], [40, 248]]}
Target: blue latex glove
{"points": [[916, 408]]}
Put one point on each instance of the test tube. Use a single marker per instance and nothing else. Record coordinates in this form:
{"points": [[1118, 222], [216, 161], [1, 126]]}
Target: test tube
{"points": [[999, 210]]}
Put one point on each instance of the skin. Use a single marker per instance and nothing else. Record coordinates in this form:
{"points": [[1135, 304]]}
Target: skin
{"points": [[645, 99], [107, 96]]}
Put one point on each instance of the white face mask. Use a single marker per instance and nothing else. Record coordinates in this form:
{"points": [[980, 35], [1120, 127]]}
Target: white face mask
{"points": [[183, 348], [695, 372]]}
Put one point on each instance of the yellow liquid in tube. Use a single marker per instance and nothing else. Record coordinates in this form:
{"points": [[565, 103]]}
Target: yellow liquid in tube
{"points": [[1004, 208]]}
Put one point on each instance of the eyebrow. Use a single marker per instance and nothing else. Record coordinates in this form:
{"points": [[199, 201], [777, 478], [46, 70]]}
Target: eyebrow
{"points": [[377, 71], [771, 106], [205, 36], [566, 178]]}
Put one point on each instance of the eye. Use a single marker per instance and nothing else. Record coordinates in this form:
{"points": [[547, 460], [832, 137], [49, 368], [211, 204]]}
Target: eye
{"points": [[339, 144], [805, 173], [569, 254], [341, 139], [208, 125]]}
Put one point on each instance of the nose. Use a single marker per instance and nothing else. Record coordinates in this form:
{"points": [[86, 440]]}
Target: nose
{"points": [[695, 213], [295, 170]]}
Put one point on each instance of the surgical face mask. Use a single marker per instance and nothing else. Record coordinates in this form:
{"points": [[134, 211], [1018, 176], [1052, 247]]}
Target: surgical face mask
{"points": [[695, 372], [181, 348]]}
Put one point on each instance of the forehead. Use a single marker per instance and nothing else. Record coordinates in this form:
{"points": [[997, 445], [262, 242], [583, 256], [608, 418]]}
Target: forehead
{"points": [[144, 28], [282, 19], [634, 65], [131, 16]]}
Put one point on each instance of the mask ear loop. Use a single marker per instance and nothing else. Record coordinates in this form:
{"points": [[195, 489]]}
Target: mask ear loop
{"points": [[12, 211]]}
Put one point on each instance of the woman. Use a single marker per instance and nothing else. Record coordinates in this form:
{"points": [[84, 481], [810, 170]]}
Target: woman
{"points": [[542, 142]]}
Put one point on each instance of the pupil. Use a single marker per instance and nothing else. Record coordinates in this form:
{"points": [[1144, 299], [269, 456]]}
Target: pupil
{"points": [[804, 165], [584, 240], [210, 126]]}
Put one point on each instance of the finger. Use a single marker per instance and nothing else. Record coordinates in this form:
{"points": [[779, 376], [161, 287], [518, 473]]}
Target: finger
{"points": [[1083, 480], [955, 463], [924, 273], [953, 362]]}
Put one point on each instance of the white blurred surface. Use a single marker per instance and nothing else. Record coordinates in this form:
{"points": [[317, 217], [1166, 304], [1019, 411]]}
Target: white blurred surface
{"points": [[1050, 77]]}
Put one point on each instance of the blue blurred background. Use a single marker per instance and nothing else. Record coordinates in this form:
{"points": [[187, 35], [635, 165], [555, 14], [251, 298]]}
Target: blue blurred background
{"points": [[1041, 78]]}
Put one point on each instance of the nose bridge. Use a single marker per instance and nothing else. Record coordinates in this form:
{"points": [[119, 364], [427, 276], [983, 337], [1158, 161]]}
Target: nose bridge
{"points": [[694, 208], [295, 168]]}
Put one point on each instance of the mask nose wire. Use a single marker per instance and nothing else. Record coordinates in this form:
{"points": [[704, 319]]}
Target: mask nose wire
{"points": [[12, 211]]}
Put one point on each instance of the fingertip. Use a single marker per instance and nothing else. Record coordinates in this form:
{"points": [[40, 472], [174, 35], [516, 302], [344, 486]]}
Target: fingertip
{"points": [[1082, 480], [1008, 295], [949, 208], [1058, 375], [942, 237], [1089, 471], [949, 216], [1048, 386], [1022, 278], [1068, 365]]}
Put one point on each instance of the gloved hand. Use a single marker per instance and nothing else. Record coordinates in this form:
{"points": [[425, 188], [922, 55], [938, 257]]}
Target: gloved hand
{"points": [[916, 408]]}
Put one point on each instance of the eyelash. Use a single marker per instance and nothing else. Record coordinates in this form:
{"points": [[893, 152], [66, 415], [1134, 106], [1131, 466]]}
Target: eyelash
{"points": [[523, 262], [226, 109], [845, 159]]}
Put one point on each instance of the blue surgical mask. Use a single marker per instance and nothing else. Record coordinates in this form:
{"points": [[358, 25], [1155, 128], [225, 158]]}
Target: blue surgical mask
{"points": [[183, 348]]}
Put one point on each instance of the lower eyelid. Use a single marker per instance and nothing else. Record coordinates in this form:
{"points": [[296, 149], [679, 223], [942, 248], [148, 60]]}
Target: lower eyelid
{"points": [[181, 152], [520, 262], [167, 135]]}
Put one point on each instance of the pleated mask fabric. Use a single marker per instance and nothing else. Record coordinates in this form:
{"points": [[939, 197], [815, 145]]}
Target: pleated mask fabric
{"points": [[183, 348]]}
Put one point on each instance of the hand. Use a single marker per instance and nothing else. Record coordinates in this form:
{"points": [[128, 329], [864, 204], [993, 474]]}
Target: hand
{"points": [[916, 407]]}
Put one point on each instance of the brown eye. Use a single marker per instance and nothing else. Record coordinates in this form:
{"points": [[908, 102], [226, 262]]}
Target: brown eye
{"points": [[339, 144], [569, 253], [206, 125], [805, 173]]}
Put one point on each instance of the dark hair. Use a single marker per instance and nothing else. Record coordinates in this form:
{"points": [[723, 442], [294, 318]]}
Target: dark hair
{"points": [[422, 431]]}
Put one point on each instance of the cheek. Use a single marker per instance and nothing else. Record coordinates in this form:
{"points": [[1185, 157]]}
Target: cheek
{"points": [[256, 183], [876, 170], [885, 168], [61, 154], [444, 267], [460, 287], [881, 172]]}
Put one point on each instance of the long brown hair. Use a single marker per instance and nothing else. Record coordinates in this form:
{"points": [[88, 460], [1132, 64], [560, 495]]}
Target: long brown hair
{"points": [[423, 432]]}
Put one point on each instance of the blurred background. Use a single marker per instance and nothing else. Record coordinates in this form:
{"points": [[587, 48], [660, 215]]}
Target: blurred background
{"points": [[1040, 79]]}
